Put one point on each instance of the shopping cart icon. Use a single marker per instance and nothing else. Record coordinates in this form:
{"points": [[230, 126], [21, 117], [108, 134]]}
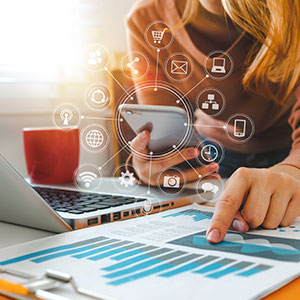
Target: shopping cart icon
{"points": [[158, 35]]}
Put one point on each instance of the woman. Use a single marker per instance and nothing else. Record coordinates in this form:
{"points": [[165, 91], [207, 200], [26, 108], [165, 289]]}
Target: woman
{"points": [[263, 37]]}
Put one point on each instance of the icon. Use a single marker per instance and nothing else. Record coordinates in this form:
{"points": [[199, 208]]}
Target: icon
{"points": [[66, 116], [179, 67], [158, 35], [171, 181], [209, 153], [97, 96], [87, 178], [218, 65], [127, 179], [209, 187], [95, 58], [147, 206], [94, 138], [132, 68], [210, 102], [239, 129]]}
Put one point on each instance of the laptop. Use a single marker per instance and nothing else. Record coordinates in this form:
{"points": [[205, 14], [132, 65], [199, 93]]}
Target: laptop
{"points": [[218, 65], [64, 208]]}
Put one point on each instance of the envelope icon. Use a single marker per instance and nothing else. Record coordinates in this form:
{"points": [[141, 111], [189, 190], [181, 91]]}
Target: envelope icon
{"points": [[179, 67]]}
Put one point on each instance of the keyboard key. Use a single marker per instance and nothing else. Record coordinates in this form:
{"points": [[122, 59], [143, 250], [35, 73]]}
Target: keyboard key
{"points": [[99, 206], [87, 209], [75, 212]]}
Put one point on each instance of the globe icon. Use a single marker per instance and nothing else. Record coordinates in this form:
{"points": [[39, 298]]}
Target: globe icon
{"points": [[94, 138]]}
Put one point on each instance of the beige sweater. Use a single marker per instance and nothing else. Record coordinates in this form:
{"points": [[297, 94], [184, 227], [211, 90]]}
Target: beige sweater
{"points": [[276, 126]]}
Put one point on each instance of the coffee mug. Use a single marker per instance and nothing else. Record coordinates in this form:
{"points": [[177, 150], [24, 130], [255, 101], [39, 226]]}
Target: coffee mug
{"points": [[52, 154]]}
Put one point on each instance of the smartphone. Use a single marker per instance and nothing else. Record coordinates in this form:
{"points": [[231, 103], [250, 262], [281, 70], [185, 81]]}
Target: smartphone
{"points": [[166, 124], [239, 128]]}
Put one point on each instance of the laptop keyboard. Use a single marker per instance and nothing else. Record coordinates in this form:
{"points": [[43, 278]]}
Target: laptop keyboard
{"points": [[79, 202]]}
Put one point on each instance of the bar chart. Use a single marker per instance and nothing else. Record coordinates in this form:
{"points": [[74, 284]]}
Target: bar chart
{"points": [[130, 261], [196, 214]]}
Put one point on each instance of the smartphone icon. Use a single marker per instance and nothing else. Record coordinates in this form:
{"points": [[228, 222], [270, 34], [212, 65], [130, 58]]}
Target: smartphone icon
{"points": [[239, 128]]}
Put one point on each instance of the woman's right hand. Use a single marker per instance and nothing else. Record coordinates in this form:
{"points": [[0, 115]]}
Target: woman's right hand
{"points": [[151, 174]]}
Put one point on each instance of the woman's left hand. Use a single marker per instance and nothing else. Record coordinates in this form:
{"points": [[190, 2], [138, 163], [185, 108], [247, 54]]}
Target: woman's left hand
{"points": [[253, 198]]}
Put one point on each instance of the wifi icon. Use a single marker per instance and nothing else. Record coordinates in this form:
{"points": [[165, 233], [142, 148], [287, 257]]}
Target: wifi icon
{"points": [[87, 178]]}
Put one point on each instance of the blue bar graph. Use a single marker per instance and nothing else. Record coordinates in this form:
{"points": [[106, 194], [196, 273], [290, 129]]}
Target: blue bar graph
{"points": [[254, 270], [214, 266], [231, 269], [197, 215]]}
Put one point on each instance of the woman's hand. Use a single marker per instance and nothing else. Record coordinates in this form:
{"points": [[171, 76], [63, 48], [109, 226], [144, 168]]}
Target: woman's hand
{"points": [[150, 175], [253, 198]]}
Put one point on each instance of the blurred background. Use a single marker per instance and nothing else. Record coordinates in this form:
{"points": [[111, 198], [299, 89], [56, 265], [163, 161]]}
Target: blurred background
{"points": [[41, 50]]}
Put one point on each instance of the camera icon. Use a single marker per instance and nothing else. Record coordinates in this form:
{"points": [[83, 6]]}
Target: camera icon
{"points": [[171, 181]]}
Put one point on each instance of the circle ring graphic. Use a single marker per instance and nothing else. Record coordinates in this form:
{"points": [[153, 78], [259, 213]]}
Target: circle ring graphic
{"points": [[129, 96]]}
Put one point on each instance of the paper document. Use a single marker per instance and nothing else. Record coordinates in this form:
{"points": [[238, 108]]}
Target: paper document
{"points": [[165, 256]]}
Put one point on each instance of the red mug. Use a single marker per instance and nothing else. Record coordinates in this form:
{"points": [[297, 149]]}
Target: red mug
{"points": [[52, 154]]}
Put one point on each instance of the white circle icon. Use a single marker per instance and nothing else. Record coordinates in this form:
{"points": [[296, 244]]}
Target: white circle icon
{"points": [[158, 35], [97, 97], [96, 57], [219, 65], [94, 138], [135, 65], [179, 67], [209, 153], [66, 116]]}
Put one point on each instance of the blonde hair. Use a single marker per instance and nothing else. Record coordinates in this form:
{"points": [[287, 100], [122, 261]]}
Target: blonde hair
{"points": [[274, 61]]}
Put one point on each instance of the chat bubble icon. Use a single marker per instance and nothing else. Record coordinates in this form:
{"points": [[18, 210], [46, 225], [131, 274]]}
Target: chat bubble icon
{"points": [[207, 187]]}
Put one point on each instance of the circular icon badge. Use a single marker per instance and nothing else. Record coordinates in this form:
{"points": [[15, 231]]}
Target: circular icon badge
{"points": [[172, 182], [135, 65], [87, 177], [240, 128], [211, 151], [210, 189], [97, 97], [146, 205], [219, 65], [66, 116], [94, 138], [211, 101], [125, 180], [179, 67], [96, 57], [158, 35]]}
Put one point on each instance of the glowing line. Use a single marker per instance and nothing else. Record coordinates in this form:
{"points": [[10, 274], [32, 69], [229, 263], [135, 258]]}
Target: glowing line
{"points": [[100, 168], [215, 126], [150, 169], [156, 71], [116, 80], [199, 175], [96, 118]]}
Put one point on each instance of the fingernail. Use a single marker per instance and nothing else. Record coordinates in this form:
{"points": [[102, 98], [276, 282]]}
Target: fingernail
{"points": [[193, 152], [214, 236], [143, 135], [238, 225], [213, 167]]}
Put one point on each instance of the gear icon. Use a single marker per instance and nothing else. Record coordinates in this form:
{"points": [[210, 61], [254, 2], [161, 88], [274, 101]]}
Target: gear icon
{"points": [[127, 178]]}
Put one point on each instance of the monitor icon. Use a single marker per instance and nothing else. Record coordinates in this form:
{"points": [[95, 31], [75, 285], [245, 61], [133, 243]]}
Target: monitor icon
{"points": [[218, 65]]}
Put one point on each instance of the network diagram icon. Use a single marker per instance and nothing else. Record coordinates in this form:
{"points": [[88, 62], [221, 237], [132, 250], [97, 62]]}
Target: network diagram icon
{"points": [[127, 179]]}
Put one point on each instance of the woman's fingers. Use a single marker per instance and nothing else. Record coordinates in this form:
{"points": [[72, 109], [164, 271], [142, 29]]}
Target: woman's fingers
{"points": [[227, 207], [239, 223], [140, 143]]}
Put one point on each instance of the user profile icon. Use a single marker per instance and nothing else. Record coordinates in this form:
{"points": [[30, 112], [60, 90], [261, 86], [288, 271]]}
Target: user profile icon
{"points": [[95, 57], [219, 65], [240, 128], [94, 138], [98, 97], [66, 116]]}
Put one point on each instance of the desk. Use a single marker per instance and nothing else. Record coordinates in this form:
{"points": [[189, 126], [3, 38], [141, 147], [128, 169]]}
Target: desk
{"points": [[11, 235]]}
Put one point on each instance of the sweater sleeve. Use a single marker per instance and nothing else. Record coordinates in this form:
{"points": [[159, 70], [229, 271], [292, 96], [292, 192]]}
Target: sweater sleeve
{"points": [[294, 120]]}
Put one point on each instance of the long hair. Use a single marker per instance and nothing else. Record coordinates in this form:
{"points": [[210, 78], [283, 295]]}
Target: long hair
{"points": [[273, 63]]}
